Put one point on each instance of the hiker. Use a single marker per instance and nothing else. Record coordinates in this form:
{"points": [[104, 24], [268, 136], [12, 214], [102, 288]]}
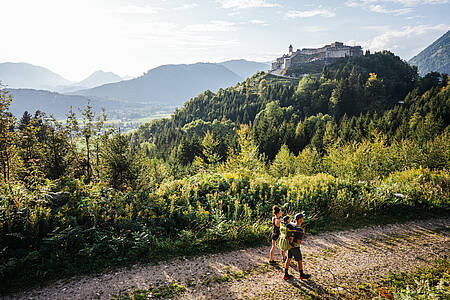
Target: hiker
{"points": [[276, 222], [295, 252], [286, 232]]}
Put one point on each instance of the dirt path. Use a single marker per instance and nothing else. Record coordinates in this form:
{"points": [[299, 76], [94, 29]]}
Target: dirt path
{"points": [[340, 263]]}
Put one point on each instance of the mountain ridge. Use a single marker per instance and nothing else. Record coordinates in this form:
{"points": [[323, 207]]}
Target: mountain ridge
{"points": [[25, 75], [152, 86], [98, 78], [244, 68], [435, 57]]}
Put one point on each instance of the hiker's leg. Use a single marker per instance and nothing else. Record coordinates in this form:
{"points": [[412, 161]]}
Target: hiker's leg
{"points": [[299, 259], [286, 269], [300, 266], [300, 269], [272, 250], [283, 254], [288, 262]]}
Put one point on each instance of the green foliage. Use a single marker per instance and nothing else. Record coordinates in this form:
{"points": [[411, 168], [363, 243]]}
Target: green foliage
{"points": [[120, 162], [284, 163], [425, 283], [308, 162], [248, 157], [210, 156], [306, 68], [368, 160], [269, 129], [418, 188], [8, 138]]}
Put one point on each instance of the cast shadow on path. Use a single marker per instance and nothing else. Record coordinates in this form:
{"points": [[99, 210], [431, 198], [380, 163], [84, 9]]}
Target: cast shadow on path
{"points": [[311, 288]]}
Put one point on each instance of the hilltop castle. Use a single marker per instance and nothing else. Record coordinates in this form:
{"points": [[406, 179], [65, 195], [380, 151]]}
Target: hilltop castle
{"points": [[307, 55]]}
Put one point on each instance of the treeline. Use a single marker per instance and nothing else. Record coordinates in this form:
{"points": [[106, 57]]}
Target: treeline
{"points": [[346, 146]]}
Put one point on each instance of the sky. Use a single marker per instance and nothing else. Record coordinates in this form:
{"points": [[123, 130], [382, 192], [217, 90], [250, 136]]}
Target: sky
{"points": [[128, 37]]}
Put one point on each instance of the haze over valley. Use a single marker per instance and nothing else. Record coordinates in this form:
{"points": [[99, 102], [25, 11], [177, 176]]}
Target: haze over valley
{"points": [[128, 102]]}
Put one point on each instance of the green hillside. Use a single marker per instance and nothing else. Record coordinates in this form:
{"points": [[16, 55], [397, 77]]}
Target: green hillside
{"points": [[343, 88], [434, 58]]}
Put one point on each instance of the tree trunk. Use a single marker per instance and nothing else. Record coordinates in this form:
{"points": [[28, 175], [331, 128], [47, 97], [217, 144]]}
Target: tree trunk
{"points": [[88, 160]]}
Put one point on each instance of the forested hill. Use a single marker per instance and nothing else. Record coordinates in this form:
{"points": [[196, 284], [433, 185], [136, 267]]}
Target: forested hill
{"points": [[434, 58], [351, 97]]}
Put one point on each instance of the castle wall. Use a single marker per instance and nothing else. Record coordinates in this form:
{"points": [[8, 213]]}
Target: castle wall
{"points": [[337, 53], [306, 55]]}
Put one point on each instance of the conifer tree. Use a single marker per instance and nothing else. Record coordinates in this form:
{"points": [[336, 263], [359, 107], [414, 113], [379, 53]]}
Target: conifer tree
{"points": [[210, 156], [283, 165], [8, 137]]}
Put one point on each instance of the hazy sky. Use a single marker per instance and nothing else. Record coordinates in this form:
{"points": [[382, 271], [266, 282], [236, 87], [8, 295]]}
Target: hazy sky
{"points": [[128, 37]]}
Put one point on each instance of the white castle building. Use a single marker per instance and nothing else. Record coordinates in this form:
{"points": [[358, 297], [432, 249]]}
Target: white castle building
{"points": [[307, 55]]}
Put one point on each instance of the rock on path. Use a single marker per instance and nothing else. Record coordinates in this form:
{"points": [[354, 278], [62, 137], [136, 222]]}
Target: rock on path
{"points": [[339, 263]]}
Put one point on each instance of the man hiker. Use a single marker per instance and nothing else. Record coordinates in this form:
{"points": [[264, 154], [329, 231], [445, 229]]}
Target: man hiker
{"points": [[295, 252]]}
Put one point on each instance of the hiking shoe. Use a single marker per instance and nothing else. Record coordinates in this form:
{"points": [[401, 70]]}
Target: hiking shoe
{"points": [[287, 277], [272, 262], [304, 276]]}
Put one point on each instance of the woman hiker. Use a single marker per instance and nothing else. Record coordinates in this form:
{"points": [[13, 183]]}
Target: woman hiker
{"points": [[276, 221]]}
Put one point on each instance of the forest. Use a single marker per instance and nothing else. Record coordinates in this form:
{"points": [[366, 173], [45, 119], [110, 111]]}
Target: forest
{"points": [[364, 141]]}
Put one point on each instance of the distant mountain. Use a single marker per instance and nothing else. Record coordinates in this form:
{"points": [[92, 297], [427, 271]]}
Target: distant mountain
{"points": [[23, 75], [99, 78], [167, 84], [49, 102], [245, 68], [434, 58], [65, 89], [127, 77], [95, 79]]}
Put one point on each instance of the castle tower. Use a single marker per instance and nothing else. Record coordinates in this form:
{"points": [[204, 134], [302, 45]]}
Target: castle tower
{"points": [[290, 49]]}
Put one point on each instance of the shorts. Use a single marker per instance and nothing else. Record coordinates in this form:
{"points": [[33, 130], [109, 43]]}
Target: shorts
{"points": [[295, 253], [275, 236]]}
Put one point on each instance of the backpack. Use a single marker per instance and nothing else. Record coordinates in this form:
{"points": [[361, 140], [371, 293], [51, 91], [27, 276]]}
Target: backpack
{"points": [[286, 232], [298, 235]]}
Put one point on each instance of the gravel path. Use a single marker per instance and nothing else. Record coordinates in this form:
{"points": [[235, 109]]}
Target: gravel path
{"points": [[340, 263]]}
